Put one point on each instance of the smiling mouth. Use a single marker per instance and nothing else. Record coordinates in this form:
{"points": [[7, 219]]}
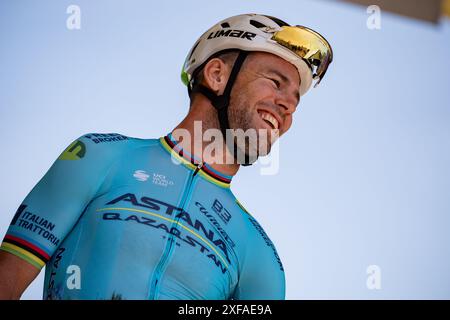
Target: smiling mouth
{"points": [[269, 119]]}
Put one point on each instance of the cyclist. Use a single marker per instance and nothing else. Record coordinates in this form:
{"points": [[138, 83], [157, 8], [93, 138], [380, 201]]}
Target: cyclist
{"points": [[117, 217]]}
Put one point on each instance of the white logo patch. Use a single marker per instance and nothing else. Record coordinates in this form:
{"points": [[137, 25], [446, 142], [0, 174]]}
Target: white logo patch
{"points": [[161, 180], [141, 175]]}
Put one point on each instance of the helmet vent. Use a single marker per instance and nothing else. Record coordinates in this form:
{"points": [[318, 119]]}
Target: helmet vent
{"points": [[225, 25], [279, 22], [257, 24], [192, 51]]}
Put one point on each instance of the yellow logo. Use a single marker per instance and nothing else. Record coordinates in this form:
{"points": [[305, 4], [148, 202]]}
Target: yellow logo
{"points": [[75, 151]]}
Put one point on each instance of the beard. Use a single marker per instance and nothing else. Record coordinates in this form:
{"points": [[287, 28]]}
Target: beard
{"points": [[249, 138]]}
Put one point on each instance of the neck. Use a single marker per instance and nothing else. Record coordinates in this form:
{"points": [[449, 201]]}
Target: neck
{"points": [[201, 117]]}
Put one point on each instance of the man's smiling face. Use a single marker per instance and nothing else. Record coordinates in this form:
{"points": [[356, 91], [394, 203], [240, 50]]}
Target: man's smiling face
{"points": [[264, 96]]}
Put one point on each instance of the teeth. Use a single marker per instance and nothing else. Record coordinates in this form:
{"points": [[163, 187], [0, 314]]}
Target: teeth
{"points": [[268, 117]]}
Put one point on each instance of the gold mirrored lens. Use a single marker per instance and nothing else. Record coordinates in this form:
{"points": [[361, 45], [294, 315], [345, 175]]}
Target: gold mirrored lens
{"points": [[309, 45]]}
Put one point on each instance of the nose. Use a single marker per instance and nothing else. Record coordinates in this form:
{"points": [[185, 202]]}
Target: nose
{"points": [[287, 102]]}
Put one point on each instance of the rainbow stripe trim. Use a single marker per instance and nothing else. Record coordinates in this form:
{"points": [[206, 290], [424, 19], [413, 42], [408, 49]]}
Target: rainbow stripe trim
{"points": [[191, 162], [25, 250]]}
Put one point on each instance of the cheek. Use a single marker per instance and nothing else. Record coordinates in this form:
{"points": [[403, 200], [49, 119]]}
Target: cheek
{"points": [[261, 90], [250, 96], [287, 124], [262, 96]]}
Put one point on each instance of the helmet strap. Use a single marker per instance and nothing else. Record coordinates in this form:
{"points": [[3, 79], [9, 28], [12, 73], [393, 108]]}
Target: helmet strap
{"points": [[222, 102]]}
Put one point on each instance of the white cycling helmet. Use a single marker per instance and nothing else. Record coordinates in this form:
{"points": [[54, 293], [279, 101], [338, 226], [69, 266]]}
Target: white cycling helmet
{"points": [[307, 50]]}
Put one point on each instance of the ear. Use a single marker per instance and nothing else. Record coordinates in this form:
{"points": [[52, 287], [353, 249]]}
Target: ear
{"points": [[215, 75]]}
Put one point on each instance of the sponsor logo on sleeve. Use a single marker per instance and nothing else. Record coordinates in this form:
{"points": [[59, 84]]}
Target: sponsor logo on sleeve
{"points": [[266, 239], [36, 224], [75, 151], [105, 137]]}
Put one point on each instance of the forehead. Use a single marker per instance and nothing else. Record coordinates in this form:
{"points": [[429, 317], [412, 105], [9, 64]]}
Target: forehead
{"points": [[266, 62]]}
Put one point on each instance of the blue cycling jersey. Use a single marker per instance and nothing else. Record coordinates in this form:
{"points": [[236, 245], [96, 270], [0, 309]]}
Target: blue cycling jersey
{"points": [[117, 217]]}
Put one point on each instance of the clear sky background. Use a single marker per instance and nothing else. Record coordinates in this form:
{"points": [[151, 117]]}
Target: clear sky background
{"points": [[364, 174]]}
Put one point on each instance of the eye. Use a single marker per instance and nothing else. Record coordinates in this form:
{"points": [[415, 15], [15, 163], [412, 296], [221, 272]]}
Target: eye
{"points": [[277, 83]]}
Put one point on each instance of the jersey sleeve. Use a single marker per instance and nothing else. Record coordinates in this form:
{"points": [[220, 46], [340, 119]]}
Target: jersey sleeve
{"points": [[262, 273], [54, 205]]}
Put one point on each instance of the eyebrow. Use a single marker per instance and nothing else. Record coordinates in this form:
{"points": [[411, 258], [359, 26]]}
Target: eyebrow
{"points": [[286, 80]]}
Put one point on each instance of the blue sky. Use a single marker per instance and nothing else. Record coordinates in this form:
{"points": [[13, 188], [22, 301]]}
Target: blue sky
{"points": [[364, 176]]}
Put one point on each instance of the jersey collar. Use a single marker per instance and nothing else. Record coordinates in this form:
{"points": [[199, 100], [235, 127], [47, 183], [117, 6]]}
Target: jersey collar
{"points": [[191, 161]]}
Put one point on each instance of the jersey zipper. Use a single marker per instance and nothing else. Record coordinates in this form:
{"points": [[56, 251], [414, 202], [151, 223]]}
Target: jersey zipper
{"points": [[169, 248]]}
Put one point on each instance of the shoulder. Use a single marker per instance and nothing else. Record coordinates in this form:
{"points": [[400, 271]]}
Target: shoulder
{"points": [[102, 145], [261, 271], [260, 241], [98, 138]]}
